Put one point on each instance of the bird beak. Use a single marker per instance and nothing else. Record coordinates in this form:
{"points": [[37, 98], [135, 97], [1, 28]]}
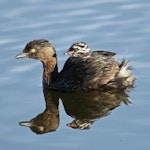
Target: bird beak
{"points": [[69, 53], [66, 53], [26, 124], [22, 55]]}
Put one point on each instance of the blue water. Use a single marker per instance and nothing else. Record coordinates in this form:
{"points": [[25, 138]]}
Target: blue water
{"points": [[112, 25]]}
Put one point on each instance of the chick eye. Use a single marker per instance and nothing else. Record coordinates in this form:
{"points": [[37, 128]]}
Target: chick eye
{"points": [[33, 50], [82, 46]]}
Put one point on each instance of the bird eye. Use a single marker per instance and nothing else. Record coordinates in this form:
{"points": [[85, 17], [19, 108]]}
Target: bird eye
{"points": [[33, 50], [82, 46]]}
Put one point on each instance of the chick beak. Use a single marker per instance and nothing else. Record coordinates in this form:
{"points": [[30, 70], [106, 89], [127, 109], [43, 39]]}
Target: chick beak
{"points": [[22, 55], [69, 52]]}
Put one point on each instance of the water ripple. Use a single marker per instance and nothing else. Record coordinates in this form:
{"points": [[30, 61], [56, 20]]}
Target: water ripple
{"points": [[113, 25], [23, 68]]}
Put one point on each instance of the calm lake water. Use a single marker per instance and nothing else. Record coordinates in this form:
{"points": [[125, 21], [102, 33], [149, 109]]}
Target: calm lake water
{"points": [[121, 26]]}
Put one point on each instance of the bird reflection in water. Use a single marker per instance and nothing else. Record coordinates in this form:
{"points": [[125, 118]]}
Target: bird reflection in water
{"points": [[48, 120], [84, 108]]}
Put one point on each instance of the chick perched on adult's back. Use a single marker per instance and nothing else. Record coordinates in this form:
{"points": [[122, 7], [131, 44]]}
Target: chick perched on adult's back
{"points": [[84, 71], [110, 72]]}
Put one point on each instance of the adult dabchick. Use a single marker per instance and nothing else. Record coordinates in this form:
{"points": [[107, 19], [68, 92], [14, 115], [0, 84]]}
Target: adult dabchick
{"points": [[84, 71]]}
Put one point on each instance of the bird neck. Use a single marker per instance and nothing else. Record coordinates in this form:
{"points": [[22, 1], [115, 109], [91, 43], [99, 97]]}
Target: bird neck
{"points": [[50, 72]]}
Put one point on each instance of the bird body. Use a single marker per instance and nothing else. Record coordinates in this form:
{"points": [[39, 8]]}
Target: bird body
{"points": [[83, 71]]}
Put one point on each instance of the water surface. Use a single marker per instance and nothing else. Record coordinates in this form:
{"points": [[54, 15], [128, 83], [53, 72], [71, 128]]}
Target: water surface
{"points": [[112, 25]]}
